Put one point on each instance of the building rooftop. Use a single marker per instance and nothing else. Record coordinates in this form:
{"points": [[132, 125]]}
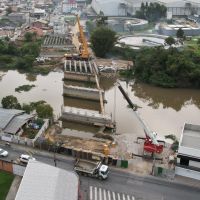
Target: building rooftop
{"points": [[190, 141], [191, 136], [45, 182], [6, 115], [17, 122]]}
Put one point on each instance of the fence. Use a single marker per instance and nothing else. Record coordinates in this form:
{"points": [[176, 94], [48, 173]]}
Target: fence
{"points": [[23, 140]]}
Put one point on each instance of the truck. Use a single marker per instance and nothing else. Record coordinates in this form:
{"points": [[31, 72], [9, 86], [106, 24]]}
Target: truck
{"points": [[91, 168]]}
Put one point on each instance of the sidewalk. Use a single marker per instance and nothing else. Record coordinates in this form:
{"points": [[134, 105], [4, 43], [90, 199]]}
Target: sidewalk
{"points": [[14, 188]]}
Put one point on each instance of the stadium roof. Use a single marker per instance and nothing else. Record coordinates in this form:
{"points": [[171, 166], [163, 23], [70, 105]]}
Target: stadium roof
{"points": [[45, 182]]}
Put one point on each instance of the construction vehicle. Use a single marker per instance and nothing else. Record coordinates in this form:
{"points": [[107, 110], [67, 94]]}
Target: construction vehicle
{"points": [[91, 168], [151, 144], [83, 48]]}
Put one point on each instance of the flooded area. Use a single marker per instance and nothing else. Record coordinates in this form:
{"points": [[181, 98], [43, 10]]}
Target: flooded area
{"points": [[163, 110]]}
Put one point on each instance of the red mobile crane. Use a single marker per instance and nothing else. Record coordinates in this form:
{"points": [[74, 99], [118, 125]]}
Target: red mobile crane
{"points": [[151, 144]]}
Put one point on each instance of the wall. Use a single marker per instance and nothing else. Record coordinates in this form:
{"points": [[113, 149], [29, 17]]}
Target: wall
{"points": [[6, 166], [12, 167], [187, 173], [18, 169], [24, 141]]}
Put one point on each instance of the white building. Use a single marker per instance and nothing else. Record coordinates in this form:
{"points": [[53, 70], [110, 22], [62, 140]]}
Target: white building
{"points": [[110, 7], [188, 158], [176, 7], [69, 6], [42, 181]]}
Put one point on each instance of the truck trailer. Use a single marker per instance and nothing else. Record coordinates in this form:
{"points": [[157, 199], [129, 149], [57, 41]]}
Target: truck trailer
{"points": [[91, 168]]}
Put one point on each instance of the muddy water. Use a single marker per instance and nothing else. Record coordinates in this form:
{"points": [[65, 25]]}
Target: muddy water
{"points": [[48, 88], [163, 110]]}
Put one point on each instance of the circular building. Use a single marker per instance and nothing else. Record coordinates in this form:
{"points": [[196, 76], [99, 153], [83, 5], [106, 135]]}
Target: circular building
{"points": [[125, 24], [138, 41]]}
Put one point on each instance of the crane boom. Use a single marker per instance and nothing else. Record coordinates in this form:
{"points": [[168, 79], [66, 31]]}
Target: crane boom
{"points": [[84, 46], [148, 132]]}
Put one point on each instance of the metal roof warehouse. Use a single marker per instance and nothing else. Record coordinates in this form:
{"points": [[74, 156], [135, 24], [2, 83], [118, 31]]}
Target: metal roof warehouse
{"points": [[45, 182]]}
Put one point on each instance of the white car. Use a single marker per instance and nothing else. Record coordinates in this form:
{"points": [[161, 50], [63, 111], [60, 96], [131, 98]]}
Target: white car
{"points": [[3, 153], [25, 158]]}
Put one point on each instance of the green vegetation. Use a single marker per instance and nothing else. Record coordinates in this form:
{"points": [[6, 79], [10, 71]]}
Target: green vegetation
{"points": [[19, 57], [168, 67], [42, 109], [102, 41], [25, 88], [5, 183], [152, 12], [170, 41], [175, 143], [193, 45], [8, 10], [180, 34], [10, 102]]}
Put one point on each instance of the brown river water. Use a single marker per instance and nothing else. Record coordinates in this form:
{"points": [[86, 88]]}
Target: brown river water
{"points": [[163, 110]]}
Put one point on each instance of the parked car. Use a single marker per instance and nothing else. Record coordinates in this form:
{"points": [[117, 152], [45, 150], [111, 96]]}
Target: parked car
{"points": [[25, 158], [3, 153]]}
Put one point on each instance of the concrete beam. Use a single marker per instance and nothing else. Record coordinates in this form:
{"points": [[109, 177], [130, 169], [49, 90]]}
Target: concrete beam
{"points": [[86, 117], [81, 92], [77, 76]]}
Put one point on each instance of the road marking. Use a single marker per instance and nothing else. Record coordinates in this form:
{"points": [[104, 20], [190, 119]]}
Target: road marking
{"points": [[100, 195], [118, 196], [113, 196], [95, 193], [109, 195], [104, 194], [90, 192]]}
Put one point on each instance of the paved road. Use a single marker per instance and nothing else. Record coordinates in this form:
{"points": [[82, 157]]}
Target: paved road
{"points": [[120, 185]]}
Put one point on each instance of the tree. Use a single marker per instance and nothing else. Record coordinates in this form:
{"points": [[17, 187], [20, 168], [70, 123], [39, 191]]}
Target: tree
{"points": [[27, 108], [170, 41], [101, 19], [198, 42], [151, 12], [44, 111], [8, 10], [28, 36], [180, 33], [10, 102], [102, 41]]}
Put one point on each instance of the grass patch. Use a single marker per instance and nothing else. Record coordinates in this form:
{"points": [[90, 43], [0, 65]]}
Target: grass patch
{"points": [[5, 183]]}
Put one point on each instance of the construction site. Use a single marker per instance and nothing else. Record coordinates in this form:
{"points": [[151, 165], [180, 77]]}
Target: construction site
{"points": [[87, 130]]}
